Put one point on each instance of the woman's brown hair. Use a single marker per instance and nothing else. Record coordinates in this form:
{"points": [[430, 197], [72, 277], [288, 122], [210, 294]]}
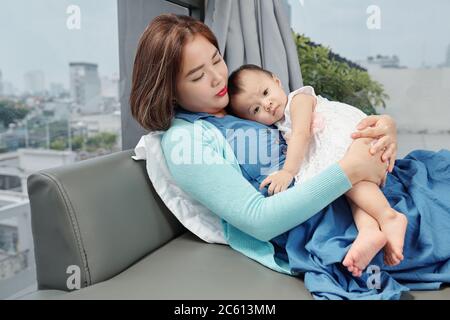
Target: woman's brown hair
{"points": [[156, 66]]}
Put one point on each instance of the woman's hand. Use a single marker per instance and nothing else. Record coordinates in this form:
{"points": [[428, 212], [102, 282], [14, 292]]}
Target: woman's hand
{"points": [[383, 128], [359, 164]]}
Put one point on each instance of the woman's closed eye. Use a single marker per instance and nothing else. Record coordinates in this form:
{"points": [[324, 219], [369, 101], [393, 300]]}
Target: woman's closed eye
{"points": [[218, 61], [199, 77]]}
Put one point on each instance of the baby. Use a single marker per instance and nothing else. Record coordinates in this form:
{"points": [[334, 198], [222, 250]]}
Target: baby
{"points": [[318, 133]]}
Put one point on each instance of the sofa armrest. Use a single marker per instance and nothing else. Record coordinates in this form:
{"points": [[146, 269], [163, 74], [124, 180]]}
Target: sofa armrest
{"points": [[100, 215]]}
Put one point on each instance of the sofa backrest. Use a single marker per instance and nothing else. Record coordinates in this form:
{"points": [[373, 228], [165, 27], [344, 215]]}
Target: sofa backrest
{"points": [[98, 216]]}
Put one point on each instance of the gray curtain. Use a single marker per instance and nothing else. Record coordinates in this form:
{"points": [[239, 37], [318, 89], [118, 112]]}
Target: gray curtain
{"points": [[257, 32]]}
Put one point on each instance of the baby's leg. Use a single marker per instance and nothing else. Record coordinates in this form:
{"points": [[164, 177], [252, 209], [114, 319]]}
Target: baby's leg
{"points": [[369, 241], [369, 197]]}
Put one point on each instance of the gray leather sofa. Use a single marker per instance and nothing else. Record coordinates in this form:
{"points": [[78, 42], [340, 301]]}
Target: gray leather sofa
{"points": [[104, 216]]}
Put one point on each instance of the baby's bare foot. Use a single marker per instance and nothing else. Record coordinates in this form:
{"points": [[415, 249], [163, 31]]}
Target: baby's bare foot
{"points": [[394, 227], [367, 244]]}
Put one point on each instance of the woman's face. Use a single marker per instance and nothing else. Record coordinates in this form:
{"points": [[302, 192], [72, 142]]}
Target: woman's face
{"points": [[202, 82]]}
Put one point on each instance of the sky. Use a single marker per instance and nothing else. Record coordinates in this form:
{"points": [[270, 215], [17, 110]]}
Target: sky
{"points": [[34, 36], [417, 31]]}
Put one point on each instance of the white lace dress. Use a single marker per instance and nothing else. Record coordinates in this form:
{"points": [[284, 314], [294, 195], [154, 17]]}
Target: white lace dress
{"points": [[333, 122]]}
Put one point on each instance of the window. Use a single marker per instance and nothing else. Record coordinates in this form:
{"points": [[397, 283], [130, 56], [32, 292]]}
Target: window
{"points": [[59, 103], [403, 47]]}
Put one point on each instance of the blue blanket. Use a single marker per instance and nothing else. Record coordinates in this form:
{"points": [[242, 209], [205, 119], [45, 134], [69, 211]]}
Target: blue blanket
{"points": [[419, 186]]}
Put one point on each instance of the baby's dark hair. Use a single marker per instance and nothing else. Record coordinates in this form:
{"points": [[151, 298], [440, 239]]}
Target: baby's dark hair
{"points": [[234, 83]]}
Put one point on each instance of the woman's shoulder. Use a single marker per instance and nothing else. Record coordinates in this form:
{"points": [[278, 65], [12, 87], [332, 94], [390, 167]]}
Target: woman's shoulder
{"points": [[179, 125], [190, 132], [179, 129]]}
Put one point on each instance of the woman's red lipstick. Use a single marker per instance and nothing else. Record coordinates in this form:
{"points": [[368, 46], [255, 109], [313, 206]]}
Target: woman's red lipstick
{"points": [[222, 92]]}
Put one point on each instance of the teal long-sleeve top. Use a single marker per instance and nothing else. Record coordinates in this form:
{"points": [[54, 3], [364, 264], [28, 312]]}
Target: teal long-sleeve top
{"points": [[203, 164]]}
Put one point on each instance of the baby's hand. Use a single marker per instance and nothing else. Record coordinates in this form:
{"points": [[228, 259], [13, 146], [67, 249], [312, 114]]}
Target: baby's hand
{"points": [[279, 181]]}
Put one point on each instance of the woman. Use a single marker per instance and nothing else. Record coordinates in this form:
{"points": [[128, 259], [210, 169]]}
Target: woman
{"points": [[179, 85]]}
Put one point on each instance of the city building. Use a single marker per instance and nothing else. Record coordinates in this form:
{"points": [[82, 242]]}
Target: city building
{"points": [[110, 87], [17, 266], [34, 82], [90, 125], [85, 87], [381, 61], [58, 109], [56, 90], [1, 84], [19, 165]]}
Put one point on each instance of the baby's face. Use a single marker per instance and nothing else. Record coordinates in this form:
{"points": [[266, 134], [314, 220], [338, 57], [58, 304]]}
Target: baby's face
{"points": [[262, 99]]}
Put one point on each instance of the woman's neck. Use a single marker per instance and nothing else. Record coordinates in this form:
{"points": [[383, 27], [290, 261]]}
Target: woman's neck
{"points": [[220, 114]]}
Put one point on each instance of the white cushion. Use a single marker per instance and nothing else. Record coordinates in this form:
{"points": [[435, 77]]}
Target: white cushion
{"points": [[192, 214]]}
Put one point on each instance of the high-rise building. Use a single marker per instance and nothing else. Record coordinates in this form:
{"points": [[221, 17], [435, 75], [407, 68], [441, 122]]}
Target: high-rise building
{"points": [[56, 89], [85, 87], [110, 87], [1, 84], [34, 82]]}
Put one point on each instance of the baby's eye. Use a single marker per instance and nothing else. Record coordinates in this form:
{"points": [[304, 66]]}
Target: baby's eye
{"points": [[266, 92], [256, 110]]}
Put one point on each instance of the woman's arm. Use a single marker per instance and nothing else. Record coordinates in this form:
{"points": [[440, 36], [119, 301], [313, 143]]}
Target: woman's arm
{"points": [[302, 108], [198, 165]]}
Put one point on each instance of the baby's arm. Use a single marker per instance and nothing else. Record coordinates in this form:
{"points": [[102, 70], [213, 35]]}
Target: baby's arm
{"points": [[302, 107]]}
